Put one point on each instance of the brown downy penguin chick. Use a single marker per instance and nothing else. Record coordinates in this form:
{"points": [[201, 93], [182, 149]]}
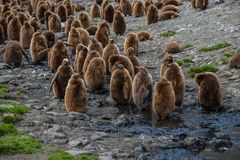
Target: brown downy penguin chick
{"points": [[210, 93], [84, 36], [4, 24], [22, 17], [92, 30], [13, 53], [173, 72], [235, 60], [99, 2], [79, 7], [68, 24], [47, 15], [131, 40], [26, 33], [79, 48], [163, 98], [62, 12], [109, 50], [84, 19], [130, 54], [2, 36], [69, 7], [117, 7], [56, 55], [142, 88], [38, 47], [95, 11], [73, 40], [126, 7], [95, 75], [14, 27], [172, 2], [90, 56], [102, 35], [173, 47], [109, 13], [121, 85], [103, 6], [119, 25], [202, 4], [169, 8], [50, 38], [95, 45], [40, 12], [54, 23], [152, 14], [104, 23], [158, 3], [61, 78], [147, 4], [168, 15], [76, 23], [138, 9], [79, 60], [75, 98], [35, 24], [115, 59], [144, 35]]}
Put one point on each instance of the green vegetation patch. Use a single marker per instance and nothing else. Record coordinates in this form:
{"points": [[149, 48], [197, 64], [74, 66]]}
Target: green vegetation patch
{"points": [[17, 108], [214, 47], [168, 34], [6, 129], [188, 45], [206, 68], [3, 89], [229, 54], [66, 156], [11, 145], [185, 60], [11, 119]]}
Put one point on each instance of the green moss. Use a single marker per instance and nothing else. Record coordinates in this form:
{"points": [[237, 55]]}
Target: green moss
{"points": [[11, 119], [8, 102], [168, 34], [185, 60], [66, 156], [229, 54], [10, 145], [206, 68], [6, 129], [3, 89], [18, 109], [215, 47], [188, 45], [61, 156]]}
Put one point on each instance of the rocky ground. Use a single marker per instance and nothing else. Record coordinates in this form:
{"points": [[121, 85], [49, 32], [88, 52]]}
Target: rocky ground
{"points": [[111, 131]]}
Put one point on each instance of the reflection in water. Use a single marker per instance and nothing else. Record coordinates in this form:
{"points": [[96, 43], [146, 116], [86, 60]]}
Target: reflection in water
{"points": [[172, 121], [230, 154]]}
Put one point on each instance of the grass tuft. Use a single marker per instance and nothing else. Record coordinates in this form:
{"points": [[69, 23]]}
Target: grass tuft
{"points": [[185, 60], [168, 34], [11, 119], [188, 45], [206, 68], [17, 109], [7, 129], [3, 89], [229, 54], [11, 145], [66, 156], [214, 47]]}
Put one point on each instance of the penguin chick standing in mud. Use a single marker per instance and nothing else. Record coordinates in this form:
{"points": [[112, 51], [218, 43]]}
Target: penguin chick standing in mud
{"points": [[142, 88], [60, 79], [75, 97]]}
